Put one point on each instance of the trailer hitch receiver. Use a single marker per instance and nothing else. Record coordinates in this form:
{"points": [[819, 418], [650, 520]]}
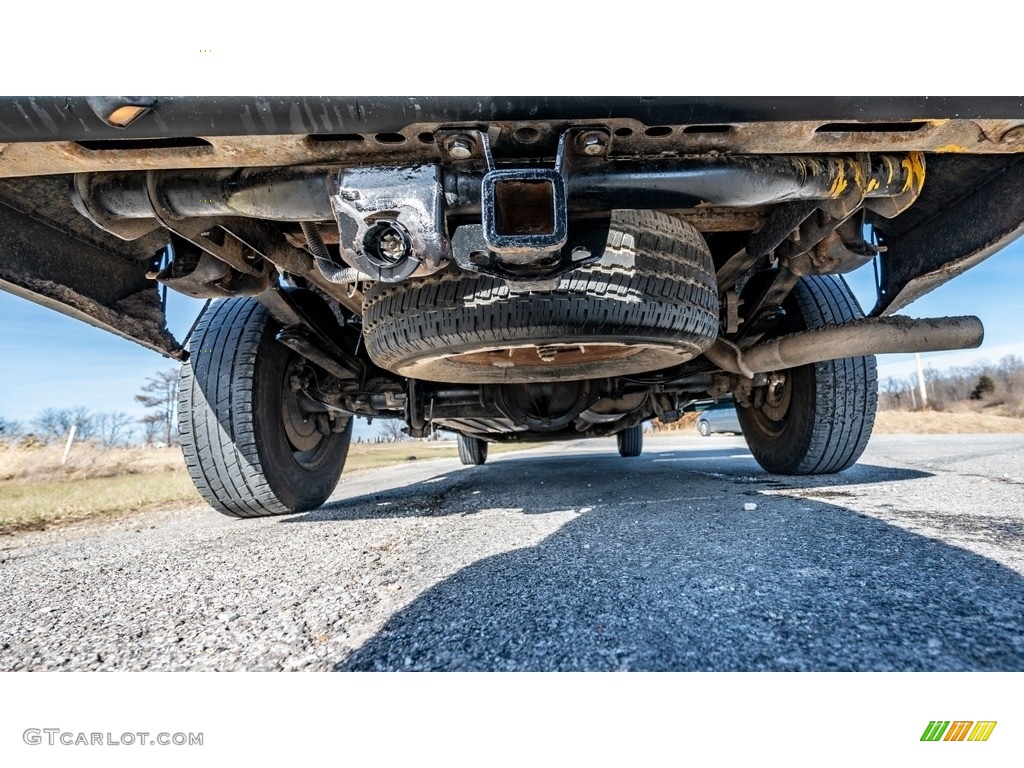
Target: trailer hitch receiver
{"points": [[524, 211]]}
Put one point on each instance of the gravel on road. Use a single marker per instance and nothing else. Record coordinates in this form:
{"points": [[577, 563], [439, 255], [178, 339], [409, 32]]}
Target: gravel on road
{"points": [[565, 558]]}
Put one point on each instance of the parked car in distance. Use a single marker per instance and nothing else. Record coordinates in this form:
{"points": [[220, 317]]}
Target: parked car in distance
{"points": [[719, 417]]}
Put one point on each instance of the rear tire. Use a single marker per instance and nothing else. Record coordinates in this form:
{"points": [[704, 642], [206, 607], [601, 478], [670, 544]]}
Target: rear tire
{"points": [[247, 446], [631, 441], [472, 450], [704, 428], [820, 420]]}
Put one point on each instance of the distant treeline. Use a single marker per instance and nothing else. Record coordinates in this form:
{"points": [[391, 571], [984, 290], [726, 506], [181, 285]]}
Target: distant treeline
{"points": [[108, 429], [983, 384]]}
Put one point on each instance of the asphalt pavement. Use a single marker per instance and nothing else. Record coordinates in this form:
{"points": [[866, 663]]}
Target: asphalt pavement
{"points": [[567, 557]]}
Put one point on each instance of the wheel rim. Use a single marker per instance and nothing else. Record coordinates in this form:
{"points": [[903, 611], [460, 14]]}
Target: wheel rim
{"points": [[550, 360], [773, 414], [305, 439]]}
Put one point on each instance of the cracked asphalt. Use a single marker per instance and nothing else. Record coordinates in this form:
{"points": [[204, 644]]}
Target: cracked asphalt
{"points": [[567, 557]]}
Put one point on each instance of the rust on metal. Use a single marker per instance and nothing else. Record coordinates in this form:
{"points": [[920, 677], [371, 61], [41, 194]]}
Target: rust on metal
{"points": [[631, 139], [547, 355]]}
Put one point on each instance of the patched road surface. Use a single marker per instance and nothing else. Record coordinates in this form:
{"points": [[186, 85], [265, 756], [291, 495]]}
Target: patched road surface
{"points": [[567, 557]]}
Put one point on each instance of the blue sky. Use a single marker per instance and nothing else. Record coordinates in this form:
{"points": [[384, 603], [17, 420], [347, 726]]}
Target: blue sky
{"points": [[992, 291], [52, 361]]}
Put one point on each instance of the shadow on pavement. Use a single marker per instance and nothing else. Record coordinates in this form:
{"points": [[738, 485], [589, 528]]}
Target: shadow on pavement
{"points": [[580, 477], [664, 569], [824, 589]]}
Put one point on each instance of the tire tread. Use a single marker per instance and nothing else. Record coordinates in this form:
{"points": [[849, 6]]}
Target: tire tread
{"points": [[667, 294], [472, 450], [631, 441], [216, 411], [845, 392]]}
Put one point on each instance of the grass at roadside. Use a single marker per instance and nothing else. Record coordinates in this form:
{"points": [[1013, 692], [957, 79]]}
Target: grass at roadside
{"points": [[26, 505], [36, 492], [944, 423]]}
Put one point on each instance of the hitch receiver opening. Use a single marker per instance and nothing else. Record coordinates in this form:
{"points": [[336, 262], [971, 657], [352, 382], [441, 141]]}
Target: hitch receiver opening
{"points": [[524, 211]]}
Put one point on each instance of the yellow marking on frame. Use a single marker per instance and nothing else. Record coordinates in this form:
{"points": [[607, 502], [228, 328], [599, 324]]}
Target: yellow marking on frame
{"points": [[951, 148], [839, 182], [914, 165], [891, 168], [858, 177]]}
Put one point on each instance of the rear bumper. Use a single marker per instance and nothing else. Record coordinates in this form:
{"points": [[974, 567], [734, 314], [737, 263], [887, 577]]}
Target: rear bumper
{"points": [[76, 118]]}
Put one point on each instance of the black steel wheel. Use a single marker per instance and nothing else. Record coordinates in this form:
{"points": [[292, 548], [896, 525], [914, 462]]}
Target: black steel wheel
{"points": [[249, 447], [472, 450], [631, 441], [818, 418]]}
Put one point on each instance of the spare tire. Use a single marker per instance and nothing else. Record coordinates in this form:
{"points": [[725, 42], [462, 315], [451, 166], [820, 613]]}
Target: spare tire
{"points": [[650, 302]]}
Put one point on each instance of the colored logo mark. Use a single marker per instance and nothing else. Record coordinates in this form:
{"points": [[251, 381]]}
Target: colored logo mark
{"points": [[958, 730]]}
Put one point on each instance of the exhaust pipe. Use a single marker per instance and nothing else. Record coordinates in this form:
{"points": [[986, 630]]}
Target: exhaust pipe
{"points": [[303, 193], [869, 336]]}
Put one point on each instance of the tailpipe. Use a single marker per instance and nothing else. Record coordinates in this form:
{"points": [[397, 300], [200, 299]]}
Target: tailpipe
{"points": [[868, 336]]}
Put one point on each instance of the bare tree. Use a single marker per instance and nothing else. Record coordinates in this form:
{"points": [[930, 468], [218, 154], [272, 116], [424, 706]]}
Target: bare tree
{"points": [[160, 395], [10, 430], [150, 429], [47, 425], [391, 431], [981, 385], [893, 391], [53, 424], [1011, 373], [933, 386], [113, 428]]}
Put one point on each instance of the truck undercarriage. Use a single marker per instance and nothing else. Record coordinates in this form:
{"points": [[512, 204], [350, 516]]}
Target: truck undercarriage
{"points": [[505, 269]]}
